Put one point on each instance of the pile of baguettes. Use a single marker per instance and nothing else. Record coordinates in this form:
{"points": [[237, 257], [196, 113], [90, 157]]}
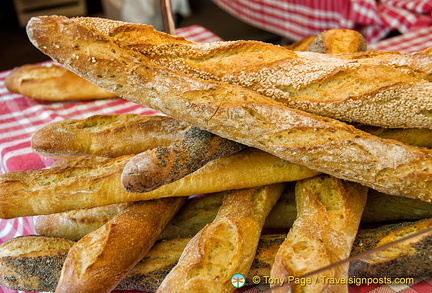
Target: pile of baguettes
{"points": [[316, 141]]}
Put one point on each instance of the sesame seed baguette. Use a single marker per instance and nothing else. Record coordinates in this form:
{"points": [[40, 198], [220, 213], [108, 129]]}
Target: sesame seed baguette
{"points": [[107, 135], [162, 165], [52, 83], [91, 48], [226, 246], [89, 181], [328, 216], [350, 87], [34, 262], [199, 211], [100, 260]]}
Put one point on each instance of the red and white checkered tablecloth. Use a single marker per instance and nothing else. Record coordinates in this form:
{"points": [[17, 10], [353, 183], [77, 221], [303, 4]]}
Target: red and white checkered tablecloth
{"points": [[20, 117], [297, 19]]}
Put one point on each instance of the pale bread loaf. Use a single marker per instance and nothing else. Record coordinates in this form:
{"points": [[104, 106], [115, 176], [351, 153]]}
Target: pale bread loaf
{"points": [[201, 210], [100, 260], [226, 246], [107, 135], [88, 181], [52, 83], [328, 217], [91, 46]]}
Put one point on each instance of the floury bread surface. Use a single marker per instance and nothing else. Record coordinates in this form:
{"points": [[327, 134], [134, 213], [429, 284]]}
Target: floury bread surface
{"points": [[94, 49]]}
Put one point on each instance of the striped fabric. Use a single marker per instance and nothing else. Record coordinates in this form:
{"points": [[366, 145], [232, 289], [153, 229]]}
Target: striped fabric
{"points": [[297, 19], [20, 117]]}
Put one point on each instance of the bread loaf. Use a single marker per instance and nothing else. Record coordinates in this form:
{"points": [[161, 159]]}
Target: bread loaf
{"points": [[86, 182], [201, 210], [107, 135], [335, 41], [162, 165], [353, 88], [402, 257], [52, 83], [123, 134], [33, 263], [226, 246], [90, 46], [100, 260], [328, 217], [76, 224]]}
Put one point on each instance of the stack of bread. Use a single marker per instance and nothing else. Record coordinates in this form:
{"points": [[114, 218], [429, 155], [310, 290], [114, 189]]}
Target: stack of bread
{"points": [[251, 137]]}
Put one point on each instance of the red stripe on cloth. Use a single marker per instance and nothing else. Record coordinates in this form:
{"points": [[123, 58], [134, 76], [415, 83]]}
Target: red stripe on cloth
{"points": [[197, 33], [411, 42]]}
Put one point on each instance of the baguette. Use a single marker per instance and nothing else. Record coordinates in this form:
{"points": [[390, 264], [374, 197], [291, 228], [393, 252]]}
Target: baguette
{"points": [[124, 134], [335, 41], [421, 137], [107, 135], [52, 83], [162, 165], [328, 217], [199, 211], [100, 260], [226, 246], [353, 88], [34, 263], [392, 262], [90, 46], [86, 182]]}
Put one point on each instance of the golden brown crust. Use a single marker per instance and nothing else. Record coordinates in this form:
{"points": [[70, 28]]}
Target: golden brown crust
{"points": [[86, 182], [100, 260], [226, 246], [52, 83], [239, 114], [328, 216], [107, 135], [335, 41], [162, 165], [330, 85]]}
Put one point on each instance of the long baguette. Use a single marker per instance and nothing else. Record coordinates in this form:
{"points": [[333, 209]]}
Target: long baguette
{"points": [[33, 263], [226, 246], [354, 88], [163, 165], [52, 83], [86, 182], [124, 134], [100, 260], [107, 135], [328, 217], [90, 46], [199, 211]]}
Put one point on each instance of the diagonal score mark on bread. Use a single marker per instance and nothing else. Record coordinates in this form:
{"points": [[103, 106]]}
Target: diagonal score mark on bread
{"points": [[83, 46]]}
